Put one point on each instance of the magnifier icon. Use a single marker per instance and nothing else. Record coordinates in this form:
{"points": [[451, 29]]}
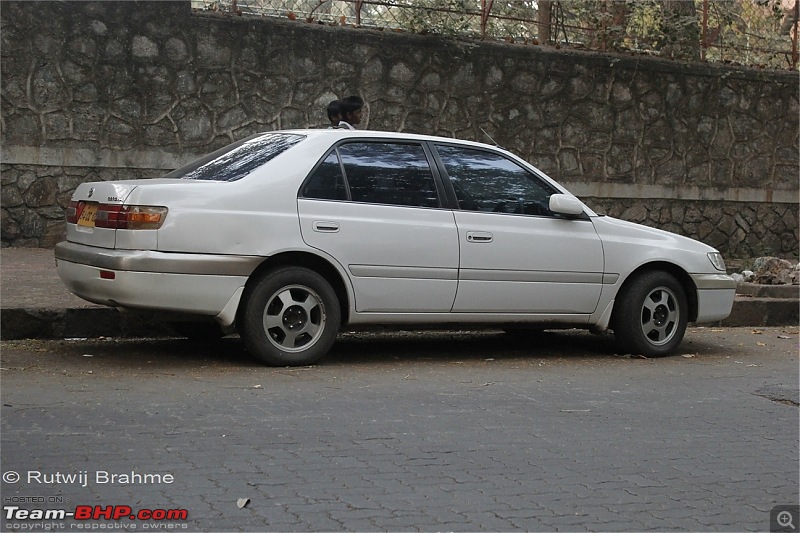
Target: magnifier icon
{"points": [[785, 519]]}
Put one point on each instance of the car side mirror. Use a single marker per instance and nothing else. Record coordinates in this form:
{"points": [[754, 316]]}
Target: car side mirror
{"points": [[564, 204]]}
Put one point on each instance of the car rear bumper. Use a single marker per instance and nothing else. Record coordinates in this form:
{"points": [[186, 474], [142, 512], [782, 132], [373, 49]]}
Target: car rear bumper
{"points": [[715, 293], [154, 261], [142, 279]]}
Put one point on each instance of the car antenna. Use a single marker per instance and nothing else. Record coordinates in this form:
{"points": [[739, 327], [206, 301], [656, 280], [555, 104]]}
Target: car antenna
{"points": [[490, 137]]}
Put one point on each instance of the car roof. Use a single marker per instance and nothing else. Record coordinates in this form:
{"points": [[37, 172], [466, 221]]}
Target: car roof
{"points": [[344, 133]]}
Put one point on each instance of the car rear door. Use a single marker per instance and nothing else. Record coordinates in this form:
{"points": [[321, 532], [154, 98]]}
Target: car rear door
{"points": [[516, 255], [375, 207]]}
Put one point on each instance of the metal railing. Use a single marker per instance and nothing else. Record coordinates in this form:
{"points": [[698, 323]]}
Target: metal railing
{"points": [[758, 33]]}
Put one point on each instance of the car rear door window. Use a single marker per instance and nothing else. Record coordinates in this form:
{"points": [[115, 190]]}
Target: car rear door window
{"points": [[389, 173], [327, 181], [490, 182]]}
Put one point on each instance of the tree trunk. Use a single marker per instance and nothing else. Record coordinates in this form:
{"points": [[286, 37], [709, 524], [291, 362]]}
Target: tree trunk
{"points": [[543, 19], [681, 30], [617, 29]]}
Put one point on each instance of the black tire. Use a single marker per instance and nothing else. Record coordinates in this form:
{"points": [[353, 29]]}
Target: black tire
{"points": [[650, 315], [202, 332], [290, 317]]}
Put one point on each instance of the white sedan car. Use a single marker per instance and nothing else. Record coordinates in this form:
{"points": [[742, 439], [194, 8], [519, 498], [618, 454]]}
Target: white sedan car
{"points": [[287, 237]]}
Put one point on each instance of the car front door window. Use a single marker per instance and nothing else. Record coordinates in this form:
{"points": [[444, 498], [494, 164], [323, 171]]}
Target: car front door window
{"points": [[489, 182]]}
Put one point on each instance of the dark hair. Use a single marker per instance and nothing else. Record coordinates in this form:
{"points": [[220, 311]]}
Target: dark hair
{"points": [[334, 108], [350, 104]]}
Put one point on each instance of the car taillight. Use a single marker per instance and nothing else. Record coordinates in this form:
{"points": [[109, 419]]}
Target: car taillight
{"points": [[129, 216], [72, 212]]}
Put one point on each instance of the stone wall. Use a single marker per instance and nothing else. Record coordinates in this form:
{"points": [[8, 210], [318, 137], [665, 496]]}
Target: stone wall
{"points": [[110, 90]]}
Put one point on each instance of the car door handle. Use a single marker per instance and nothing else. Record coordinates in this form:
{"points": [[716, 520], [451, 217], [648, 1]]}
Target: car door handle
{"points": [[479, 236], [325, 226]]}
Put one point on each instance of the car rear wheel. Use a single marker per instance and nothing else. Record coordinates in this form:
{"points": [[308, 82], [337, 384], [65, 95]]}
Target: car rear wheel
{"points": [[651, 315], [290, 317]]}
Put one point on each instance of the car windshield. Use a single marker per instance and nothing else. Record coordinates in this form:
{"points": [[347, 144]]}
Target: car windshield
{"points": [[239, 159]]}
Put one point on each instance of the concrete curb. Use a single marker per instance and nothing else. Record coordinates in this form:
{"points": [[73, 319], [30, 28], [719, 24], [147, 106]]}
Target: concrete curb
{"points": [[18, 323], [764, 306], [763, 312]]}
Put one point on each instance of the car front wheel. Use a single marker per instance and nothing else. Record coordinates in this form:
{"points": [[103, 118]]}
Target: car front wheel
{"points": [[290, 317], [651, 315]]}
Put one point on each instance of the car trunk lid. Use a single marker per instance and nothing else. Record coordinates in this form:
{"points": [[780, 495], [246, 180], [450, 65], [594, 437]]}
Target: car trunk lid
{"points": [[87, 201]]}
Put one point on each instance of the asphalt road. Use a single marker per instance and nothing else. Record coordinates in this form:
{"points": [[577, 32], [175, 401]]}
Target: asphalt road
{"points": [[433, 431]]}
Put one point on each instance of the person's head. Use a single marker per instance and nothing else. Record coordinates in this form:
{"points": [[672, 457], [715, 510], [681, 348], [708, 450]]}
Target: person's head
{"points": [[334, 113], [351, 107]]}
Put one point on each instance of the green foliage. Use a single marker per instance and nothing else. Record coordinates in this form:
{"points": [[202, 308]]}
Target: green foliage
{"points": [[513, 20], [749, 32], [444, 17], [644, 29], [752, 32]]}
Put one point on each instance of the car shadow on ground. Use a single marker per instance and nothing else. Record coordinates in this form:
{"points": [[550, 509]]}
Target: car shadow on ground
{"points": [[355, 347], [448, 346], [352, 348]]}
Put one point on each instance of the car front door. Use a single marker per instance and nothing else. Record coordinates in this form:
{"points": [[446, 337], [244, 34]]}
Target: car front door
{"points": [[375, 207], [516, 255]]}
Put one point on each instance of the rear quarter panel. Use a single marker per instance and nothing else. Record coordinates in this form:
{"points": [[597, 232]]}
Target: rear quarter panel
{"points": [[256, 215]]}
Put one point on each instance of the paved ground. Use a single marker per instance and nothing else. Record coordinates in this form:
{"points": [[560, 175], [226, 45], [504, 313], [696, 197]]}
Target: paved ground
{"points": [[438, 431]]}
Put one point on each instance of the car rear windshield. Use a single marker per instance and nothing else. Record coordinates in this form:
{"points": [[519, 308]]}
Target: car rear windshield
{"points": [[239, 159]]}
